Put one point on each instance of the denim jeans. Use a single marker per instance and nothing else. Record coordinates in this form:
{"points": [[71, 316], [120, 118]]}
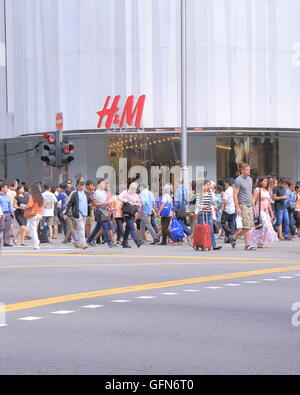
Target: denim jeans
{"points": [[129, 229], [105, 225], [282, 218], [210, 223]]}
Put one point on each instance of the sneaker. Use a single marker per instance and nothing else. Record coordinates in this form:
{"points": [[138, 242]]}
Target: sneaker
{"points": [[217, 248], [126, 246], [92, 243], [156, 241], [139, 243]]}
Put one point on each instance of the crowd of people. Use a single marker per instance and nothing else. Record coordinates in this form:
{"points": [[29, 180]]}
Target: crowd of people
{"points": [[88, 214]]}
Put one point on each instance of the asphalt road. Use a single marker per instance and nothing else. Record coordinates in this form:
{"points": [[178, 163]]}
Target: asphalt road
{"points": [[153, 310]]}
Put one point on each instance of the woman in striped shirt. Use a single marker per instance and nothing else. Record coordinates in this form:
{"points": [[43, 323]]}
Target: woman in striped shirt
{"points": [[204, 206]]}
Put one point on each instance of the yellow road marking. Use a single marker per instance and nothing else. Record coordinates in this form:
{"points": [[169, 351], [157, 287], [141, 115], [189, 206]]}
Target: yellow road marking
{"points": [[142, 287], [151, 256], [74, 265]]}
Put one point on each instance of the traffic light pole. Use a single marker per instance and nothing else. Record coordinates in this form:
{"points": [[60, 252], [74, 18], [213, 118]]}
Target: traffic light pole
{"points": [[59, 139]]}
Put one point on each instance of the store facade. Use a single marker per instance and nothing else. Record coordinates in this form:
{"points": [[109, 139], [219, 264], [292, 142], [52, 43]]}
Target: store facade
{"points": [[243, 83]]}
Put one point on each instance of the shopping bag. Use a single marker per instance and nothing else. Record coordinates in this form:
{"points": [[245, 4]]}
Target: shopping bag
{"points": [[177, 230]]}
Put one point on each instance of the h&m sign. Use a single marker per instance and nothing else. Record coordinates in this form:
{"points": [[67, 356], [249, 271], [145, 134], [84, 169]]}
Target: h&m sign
{"points": [[131, 115]]}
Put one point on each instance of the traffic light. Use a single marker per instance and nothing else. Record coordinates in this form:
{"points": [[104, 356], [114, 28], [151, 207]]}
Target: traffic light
{"points": [[51, 156], [66, 153]]}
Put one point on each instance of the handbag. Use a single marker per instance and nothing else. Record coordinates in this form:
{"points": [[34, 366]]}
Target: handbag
{"points": [[102, 216], [129, 209], [257, 220]]}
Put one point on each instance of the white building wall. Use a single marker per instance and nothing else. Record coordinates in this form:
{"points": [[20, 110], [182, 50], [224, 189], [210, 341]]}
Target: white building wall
{"points": [[68, 56]]}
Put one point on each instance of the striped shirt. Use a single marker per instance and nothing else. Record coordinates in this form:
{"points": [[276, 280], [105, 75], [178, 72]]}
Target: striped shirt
{"points": [[204, 200]]}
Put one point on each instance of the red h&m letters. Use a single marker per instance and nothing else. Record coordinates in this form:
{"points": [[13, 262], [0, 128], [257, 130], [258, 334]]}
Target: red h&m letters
{"points": [[129, 113]]}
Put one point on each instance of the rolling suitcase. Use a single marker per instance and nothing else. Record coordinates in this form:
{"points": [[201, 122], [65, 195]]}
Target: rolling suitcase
{"points": [[43, 230], [202, 236]]}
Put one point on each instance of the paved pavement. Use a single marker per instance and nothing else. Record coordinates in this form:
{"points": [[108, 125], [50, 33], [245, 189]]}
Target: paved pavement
{"points": [[153, 310]]}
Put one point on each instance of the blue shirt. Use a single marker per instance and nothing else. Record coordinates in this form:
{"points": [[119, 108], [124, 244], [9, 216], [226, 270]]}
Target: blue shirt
{"points": [[83, 203], [148, 201], [292, 198], [61, 197], [5, 204]]}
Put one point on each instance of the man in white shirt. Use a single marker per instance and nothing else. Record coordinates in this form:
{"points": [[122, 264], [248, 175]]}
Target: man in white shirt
{"points": [[48, 209], [228, 220]]}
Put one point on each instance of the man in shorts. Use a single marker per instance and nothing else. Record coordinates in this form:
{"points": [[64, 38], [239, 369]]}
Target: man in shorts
{"points": [[48, 209], [242, 195]]}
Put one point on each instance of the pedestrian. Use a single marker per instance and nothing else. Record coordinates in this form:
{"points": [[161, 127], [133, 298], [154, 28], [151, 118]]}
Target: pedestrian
{"points": [[218, 204], [148, 202], [102, 215], [33, 214], [280, 196], [131, 205], [19, 206], [204, 210], [263, 210], [297, 207], [61, 204], [68, 219], [11, 193], [228, 219], [192, 207], [165, 213], [242, 194], [79, 207], [48, 209], [181, 205], [118, 216], [55, 215], [90, 187], [1, 228], [8, 214], [290, 205]]}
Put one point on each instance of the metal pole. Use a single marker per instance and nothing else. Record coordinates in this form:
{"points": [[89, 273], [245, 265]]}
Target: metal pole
{"points": [[59, 139], [183, 92]]}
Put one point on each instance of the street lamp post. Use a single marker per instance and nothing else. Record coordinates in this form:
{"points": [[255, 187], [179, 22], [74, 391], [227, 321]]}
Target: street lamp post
{"points": [[184, 162]]}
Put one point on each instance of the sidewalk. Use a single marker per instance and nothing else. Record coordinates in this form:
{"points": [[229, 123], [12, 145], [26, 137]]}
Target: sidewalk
{"points": [[282, 250]]}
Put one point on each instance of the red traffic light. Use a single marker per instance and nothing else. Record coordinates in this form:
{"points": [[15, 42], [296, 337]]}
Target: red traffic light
{"points": [[50, 138], [68, 148]]}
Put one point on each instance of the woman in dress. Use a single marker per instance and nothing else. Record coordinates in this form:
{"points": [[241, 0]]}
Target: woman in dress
{"points": [[266, 234], [19, 205]]}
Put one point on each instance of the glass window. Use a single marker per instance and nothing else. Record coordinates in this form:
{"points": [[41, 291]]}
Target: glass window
{"points": [[261, 152]]}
